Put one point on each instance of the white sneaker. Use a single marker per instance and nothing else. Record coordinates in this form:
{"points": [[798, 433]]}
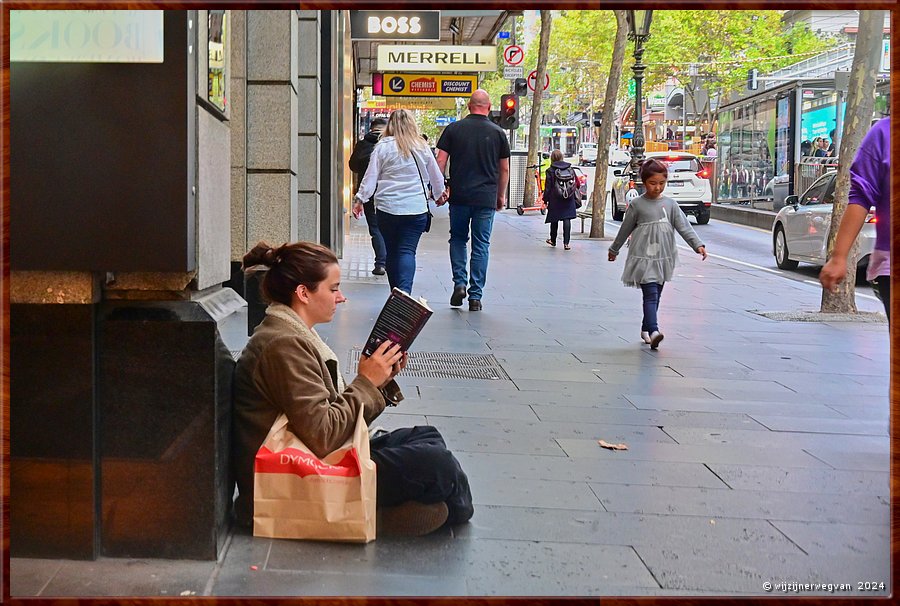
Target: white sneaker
{"points": [[655, 338], [645, 337]]}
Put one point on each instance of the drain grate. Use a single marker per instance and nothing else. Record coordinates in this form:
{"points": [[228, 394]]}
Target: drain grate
{"points": [[441, 365]]}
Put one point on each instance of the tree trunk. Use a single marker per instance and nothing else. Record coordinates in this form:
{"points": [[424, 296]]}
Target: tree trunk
{"points": [[860, 105], [534, 128], [598, 196]]}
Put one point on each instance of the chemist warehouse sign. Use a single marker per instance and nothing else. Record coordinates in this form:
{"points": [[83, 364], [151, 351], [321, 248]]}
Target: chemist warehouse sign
{"points": [[428, 85]]}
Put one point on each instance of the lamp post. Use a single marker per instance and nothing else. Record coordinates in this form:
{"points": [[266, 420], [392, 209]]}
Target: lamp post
{"points": [[639, 31]]}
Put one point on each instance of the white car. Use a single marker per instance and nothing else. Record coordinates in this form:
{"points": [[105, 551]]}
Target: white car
{"points": [[688, 185], [800, 229], [587, 154]]}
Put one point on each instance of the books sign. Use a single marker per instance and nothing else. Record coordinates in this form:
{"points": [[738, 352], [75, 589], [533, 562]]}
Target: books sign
{"points": [[86, 36], [428, 85]]}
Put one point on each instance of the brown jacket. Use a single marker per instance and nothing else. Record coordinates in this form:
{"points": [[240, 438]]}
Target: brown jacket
{"points": [[280, 370]]}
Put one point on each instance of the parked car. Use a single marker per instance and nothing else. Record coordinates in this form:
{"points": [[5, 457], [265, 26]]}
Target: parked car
{"points": [[619, 157], [688, 185], [587, 154], [800, 229]]}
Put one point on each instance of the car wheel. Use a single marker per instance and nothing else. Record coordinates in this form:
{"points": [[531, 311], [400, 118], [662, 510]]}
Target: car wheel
{"points": [[702, 218], [616, 214], [781, 250]]}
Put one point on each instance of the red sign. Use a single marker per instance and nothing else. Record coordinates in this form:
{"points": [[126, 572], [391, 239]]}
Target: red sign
{"points": [[513, 55], [423, 85], [533, 76]]}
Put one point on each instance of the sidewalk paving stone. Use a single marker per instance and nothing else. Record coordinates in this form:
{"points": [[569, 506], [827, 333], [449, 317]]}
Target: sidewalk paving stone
{"points": [[679, 569], [702, 453], [485, 467], [801, 411], [754, 504], [774, 479]]}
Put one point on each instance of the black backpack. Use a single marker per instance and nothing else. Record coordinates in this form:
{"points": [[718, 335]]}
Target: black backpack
{"points": [[564, 182]]}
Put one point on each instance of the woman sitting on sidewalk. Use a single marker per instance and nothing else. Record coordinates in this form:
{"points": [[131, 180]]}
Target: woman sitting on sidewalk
{"points": [[286, 367]]}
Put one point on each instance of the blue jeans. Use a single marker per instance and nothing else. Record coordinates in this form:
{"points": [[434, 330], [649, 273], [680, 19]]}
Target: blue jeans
{"points": [[377, 239], [652, 293], [482, 221], [401, 235]]}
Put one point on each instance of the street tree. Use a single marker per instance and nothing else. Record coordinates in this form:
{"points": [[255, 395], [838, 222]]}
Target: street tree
{"points": [[598, 204], [714, 49], [534, 139], [857, 117]]}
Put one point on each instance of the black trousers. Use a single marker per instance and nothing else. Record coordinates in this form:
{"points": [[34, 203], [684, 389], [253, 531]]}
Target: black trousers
{"points": [[567, 230], [414, 465], [882, 286]]}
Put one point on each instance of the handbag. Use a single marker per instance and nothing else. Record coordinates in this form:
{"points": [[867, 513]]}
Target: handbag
{"points": [[297, 495], [427, 207]]}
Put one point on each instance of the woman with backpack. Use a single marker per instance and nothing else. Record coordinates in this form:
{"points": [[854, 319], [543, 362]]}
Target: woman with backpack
{"points": [[561, 196]]}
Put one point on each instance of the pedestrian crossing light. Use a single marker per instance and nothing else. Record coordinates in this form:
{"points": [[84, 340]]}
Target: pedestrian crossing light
{"points": [[521, 87], [753, 79], [598, 118], [509, 112]]}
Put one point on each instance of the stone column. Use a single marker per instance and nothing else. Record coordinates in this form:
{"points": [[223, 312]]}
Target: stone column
{"points": [[309, 125]]}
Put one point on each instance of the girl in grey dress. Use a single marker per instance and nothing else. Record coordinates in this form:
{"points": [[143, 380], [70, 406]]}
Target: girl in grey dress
{"points": [[651, 220]]}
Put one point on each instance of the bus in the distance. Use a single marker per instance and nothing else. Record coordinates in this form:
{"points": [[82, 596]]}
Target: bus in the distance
{"points": [[563, 138]]}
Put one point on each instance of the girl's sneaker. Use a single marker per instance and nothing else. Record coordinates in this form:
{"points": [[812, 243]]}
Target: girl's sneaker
{"points": [[655, 338], [645, 337]]}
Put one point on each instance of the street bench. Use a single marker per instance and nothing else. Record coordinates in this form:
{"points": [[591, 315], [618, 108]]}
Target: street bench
{"points": [[587, 211]]}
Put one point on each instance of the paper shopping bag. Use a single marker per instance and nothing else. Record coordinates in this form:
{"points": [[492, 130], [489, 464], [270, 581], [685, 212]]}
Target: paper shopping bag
{"points": [[299, 496]]}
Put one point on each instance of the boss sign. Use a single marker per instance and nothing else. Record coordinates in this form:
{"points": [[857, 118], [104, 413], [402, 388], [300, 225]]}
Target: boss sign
{"points": [[395, 25]]}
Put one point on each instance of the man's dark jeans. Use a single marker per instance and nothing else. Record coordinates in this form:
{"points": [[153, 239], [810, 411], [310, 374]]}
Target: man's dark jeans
{"points": [[377, 239]]}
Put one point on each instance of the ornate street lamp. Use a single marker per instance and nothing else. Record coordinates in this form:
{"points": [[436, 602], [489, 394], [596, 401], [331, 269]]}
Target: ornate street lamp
{"points": [[639, 31]]}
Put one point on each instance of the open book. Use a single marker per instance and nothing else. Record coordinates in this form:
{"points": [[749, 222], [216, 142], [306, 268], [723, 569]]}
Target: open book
{"points": [[401, 319]]}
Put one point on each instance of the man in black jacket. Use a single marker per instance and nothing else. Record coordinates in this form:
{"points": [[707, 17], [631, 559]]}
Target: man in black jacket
{"points": [[359, 162]]}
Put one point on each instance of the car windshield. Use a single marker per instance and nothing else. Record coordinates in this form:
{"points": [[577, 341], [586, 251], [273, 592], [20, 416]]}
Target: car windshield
{"points": [[680, 163]]}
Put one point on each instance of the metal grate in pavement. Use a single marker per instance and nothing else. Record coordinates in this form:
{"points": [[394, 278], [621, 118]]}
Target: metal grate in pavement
{"points": [[441, 365]]}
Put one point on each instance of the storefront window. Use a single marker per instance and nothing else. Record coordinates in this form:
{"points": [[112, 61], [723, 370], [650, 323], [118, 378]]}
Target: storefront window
{"points": [[216, 59], [747, 145]]}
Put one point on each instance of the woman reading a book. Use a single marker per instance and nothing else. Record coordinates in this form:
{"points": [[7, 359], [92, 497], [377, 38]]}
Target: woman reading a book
{"points": [[286, 367]]}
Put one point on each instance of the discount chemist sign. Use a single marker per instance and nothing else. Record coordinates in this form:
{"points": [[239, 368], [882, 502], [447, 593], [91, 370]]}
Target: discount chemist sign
{"points": [[427, 85]]}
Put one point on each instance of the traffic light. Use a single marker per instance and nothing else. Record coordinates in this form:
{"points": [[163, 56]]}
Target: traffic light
{"points": [[598, 118], [753, 79], [521, 87], [494, 116], [509, 112]]}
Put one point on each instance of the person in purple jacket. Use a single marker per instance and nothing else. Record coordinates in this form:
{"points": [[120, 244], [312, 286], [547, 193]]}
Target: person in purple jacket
{"points": [[870, 185]]}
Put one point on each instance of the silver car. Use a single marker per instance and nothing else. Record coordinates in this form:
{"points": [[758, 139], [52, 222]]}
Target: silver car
{"points": [[800, 230]]}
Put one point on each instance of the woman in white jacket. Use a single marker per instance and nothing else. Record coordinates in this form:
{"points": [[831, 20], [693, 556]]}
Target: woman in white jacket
{"points": [[401, 169]]}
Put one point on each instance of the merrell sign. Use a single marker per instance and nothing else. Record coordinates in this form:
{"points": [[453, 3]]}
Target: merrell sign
{"points": [[437, 58]]}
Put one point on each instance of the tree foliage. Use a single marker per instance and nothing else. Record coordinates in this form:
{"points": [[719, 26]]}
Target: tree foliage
{"points": [[725, 44]]}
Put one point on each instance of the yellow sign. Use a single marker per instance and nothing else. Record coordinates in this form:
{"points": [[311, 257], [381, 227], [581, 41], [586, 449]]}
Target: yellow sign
{"points": [[428, 85], [443, 58], [420, 103]]}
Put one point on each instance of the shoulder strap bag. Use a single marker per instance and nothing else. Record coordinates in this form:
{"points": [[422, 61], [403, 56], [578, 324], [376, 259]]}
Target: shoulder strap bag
{"points": [[424, 193]]}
